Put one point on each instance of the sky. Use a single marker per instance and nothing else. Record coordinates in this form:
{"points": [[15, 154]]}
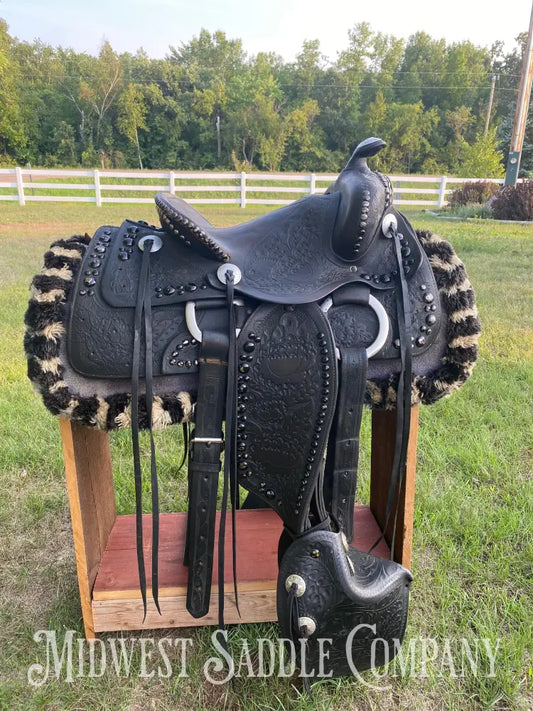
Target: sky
{"points": [[278, 26]]}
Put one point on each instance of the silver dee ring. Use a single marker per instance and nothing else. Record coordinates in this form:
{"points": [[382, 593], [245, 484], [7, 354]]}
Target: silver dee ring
{"points": [[383, 321], [192, 324]]}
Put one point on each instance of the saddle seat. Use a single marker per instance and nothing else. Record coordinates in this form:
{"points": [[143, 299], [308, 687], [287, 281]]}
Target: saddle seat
{"points": [[305, 251]]}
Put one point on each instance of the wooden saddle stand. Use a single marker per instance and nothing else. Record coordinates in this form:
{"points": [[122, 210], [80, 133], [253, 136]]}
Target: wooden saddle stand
{"points": [[104, 543]]}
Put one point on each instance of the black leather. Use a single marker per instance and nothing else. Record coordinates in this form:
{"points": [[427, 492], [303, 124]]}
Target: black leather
{"points": [[288, 256], [334, 245], [346, 592], [204, 470], [100, 331], [287, 389], [340, 482]]}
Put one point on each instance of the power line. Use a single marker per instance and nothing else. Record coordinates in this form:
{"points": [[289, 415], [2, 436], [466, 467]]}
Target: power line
{"points": [[353, 85]]}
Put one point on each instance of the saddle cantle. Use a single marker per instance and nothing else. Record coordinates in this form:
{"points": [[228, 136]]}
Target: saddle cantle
{"points": [[281, 328]]}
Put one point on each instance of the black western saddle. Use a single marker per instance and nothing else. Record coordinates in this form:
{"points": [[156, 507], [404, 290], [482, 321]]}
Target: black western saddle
{"points": [[280, 329]]}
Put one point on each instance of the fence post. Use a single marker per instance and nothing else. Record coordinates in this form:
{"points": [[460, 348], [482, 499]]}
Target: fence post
{"points": [[442, 191], [172, 183], [97, 192], [398, 190], [243, 189], [20, 186], [312, 184]]}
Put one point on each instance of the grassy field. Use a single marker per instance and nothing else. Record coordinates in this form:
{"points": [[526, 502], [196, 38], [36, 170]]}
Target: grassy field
{"points": [[473, 541]]}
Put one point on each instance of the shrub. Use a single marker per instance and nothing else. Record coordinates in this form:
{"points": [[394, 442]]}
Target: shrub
{"points": [[482, 212], [478, 193], [514, 202]]}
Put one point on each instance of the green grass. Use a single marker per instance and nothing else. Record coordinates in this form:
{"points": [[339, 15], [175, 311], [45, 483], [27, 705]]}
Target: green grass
{"points": [[473, 540]]}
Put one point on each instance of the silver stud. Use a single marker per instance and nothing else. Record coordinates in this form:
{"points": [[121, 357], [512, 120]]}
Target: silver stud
{"points": [[157, 242], [233, 269], [308, 623], [295, 580]]}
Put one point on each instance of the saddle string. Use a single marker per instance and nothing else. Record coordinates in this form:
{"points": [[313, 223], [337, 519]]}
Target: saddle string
{"points": [[230, 459], [403, 397], [296, 631], [143, 308], [404, 392], [149, 409], [232, 390], [186, 437]]}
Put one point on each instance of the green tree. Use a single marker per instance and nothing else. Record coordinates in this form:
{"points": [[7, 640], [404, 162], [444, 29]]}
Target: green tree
{"points": [[253, 116], [131, 116], [64, 144], [406, 128], [101, 89], [303, 149], [307, 69], [12, 134], [375, 115], [481, 159], [421, 70], [210, 62], [466, 77]]}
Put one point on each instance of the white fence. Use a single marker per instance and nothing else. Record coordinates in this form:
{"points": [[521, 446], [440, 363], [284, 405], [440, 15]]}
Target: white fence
{"points": [[98, 186]]}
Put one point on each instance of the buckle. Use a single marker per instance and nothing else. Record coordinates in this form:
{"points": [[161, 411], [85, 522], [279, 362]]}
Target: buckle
{"points": [[207, 441]]}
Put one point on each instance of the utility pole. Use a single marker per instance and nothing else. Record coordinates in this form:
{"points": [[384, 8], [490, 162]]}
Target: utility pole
{"points": [[522, 108], [491, 99], [219, 151]]}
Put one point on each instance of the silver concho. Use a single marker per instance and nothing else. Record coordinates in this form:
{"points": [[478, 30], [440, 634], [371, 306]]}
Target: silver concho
{"points": [[300, 584], [233, 269], [308, 623], [389, 222], [157, 243]]}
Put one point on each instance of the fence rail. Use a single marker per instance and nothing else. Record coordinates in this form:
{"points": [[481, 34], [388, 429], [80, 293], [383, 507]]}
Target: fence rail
{"points": [[35, 185]]}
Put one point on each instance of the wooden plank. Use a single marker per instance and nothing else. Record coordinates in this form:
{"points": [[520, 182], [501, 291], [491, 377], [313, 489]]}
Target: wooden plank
{"points": [[58, 186], [57, 198], [127, 614], [117, 604], [258, 532], [56, 172], [92, 504], [97, 193], [257, 544], [20, 186], [382, 454]]}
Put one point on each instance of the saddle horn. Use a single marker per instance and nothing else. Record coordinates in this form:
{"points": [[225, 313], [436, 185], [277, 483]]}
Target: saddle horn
{"points": [[364, 197], [367, 148]]}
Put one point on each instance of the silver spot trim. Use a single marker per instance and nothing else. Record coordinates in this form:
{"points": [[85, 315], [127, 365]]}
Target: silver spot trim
{"points": [[300, 584], [308, 623], [232, 269], [157, 242]]}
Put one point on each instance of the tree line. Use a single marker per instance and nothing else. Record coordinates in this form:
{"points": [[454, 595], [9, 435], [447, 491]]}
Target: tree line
{"points": [[208, 105]]}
